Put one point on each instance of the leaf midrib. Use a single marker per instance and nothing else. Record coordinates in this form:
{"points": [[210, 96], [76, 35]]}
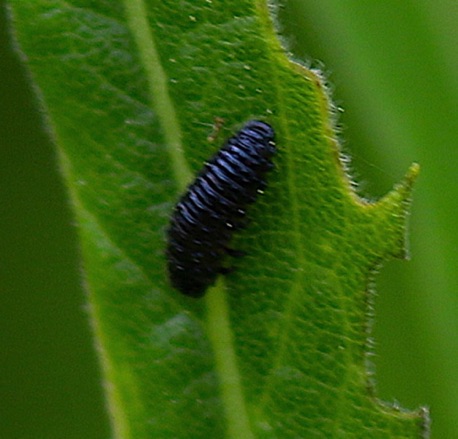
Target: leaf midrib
{"points": [[218, 323], [158, 90]]}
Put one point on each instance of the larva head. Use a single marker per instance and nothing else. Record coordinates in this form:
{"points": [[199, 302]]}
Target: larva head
{"points": [[259, 135]]}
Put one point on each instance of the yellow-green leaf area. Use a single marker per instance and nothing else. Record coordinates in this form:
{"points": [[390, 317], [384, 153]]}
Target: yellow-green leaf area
{"points": [[280, 347]]}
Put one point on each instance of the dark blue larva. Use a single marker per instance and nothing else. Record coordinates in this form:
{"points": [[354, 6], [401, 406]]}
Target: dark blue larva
{"points": [[214, 206]]}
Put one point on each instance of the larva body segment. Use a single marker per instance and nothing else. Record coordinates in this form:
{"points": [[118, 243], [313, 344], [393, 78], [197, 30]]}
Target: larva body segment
{"points": [[214, 207]]}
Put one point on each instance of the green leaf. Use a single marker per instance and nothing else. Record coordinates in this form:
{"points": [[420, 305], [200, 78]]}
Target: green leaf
{"points": [[389, 52], [279, 348]]}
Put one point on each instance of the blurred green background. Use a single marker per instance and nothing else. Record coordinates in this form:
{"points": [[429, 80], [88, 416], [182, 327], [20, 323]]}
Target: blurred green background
{"points": [[392, 67]]}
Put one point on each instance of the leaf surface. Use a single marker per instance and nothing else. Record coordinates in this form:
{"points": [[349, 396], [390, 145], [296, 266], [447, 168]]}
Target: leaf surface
{"points": [[279, 348]]}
